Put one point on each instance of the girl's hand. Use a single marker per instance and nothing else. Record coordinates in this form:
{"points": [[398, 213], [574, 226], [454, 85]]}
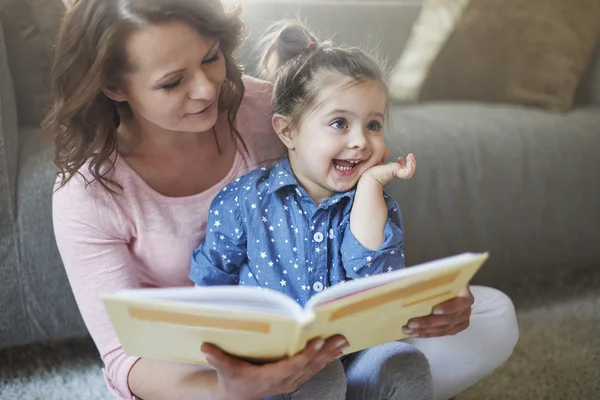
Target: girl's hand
{"points": [[384, 173], [448, 318], [245, 381]]}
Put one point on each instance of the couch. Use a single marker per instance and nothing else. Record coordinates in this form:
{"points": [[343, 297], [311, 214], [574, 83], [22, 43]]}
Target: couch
{"points": [[519, 182]]}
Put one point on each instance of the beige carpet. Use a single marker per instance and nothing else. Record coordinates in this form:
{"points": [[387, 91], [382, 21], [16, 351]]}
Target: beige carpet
{"points": [[557, 358]]}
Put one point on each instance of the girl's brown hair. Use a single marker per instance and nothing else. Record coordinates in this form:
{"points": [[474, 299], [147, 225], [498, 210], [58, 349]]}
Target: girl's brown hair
{"points": [[300, 66], [90, 55]]}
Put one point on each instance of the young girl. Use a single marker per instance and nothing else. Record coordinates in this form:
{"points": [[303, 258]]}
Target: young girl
{"points": [[320, 216]]}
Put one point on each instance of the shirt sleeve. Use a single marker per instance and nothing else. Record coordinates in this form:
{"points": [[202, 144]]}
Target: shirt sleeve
{"points": [[218, 260], [90, 237], [358, 261]]}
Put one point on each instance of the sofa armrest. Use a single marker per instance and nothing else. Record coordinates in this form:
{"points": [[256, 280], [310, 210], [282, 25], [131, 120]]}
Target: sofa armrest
{"points": [[379, 26], [8, 138]]}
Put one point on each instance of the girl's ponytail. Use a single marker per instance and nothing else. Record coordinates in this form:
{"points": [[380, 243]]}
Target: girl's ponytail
{"points": [[283, 42]]}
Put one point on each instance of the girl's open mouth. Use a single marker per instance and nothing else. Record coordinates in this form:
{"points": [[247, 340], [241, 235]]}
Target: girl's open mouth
{"points": [[346, 167]]}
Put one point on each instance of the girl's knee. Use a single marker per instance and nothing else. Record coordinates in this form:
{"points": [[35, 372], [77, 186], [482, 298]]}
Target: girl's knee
{"points": [[408, 375]]}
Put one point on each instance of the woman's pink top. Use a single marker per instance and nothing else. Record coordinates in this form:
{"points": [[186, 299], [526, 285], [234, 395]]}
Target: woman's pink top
{"points": [[140, 238]]}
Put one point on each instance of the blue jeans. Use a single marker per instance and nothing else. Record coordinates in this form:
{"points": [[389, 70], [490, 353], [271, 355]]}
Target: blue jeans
{"points": [[391, 371]]}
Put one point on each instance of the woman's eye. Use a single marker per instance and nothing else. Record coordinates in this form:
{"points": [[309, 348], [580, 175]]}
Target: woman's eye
{"points": [[213, 59], [173, 85], [374, 126], [339, 124]]}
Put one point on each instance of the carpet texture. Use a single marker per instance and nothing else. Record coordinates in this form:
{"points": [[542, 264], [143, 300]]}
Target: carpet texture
{"points": [[557, 357]]}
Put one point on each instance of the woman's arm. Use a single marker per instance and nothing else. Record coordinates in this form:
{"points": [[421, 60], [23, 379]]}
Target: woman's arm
{"points": [[91, 237]]}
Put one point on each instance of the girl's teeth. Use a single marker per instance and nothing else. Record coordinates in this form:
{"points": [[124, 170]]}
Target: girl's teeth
{"points": [[340, 168]]}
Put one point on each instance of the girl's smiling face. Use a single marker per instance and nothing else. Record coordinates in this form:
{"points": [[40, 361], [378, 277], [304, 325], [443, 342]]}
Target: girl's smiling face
{"points": [[337, 140]]}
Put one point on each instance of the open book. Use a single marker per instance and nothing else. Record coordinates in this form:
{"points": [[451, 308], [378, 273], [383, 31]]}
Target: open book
{"points": [[262, 325]]}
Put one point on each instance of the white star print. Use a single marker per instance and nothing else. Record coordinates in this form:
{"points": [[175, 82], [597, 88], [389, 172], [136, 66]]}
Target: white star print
{"points": [[296, 230], [393, 252], [312, 227], [217, 223], [303, 287], [249, 274], [369, 258], [283, 283], [253, 206], [271, 264], [264, 219], [310, 269], [222, 237], [390, 269], [295, 266], [295, 249], [263, 255], [237, 230], [271, 228], [318, 250], [216, 212], [285, 208]]}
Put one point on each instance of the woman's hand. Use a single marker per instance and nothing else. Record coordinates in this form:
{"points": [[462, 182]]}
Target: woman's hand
{"points": [[241, 380], [448, 318], [384, 173]]}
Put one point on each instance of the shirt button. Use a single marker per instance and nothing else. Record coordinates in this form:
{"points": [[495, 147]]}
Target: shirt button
{"points": [[318, 237], [318, 286]]}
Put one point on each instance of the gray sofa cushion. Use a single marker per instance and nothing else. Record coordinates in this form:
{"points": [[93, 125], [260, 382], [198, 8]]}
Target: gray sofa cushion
{"points": [[10, 296], [46, 298], [30, 27], [518, 182]]}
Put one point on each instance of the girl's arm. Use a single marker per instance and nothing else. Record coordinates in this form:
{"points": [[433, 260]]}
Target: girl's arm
{"points": [[369, 212], [218, 260]]}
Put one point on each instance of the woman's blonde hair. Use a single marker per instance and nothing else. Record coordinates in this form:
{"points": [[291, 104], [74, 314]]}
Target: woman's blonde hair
{"points": [[90, 56]]}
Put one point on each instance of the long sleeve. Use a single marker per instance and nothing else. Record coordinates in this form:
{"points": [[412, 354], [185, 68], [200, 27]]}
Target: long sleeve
{"points": [[89, 233], [217, 261], [358, 261]]}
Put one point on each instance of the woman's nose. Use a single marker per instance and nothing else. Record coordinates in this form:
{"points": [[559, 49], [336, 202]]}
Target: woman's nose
{"points": [[202, 88]]}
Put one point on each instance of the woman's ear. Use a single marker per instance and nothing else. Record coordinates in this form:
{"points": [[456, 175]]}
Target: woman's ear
{"points": [[114, 94], [283, 127]]}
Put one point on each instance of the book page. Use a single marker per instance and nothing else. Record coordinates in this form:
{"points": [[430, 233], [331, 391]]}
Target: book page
{"points": [[349, 288], [373, 311], [174, 330], [226, 298]]}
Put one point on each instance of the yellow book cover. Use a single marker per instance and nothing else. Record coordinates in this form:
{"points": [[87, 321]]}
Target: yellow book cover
{"points": [[262, 325]]}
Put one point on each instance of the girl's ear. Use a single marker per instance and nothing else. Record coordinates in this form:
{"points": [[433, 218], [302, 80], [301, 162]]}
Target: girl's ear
{"points": [[114, 94], [283, 127]]}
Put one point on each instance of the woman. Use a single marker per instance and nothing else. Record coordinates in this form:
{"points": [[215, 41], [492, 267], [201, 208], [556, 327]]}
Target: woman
{"points": [[151, 118]]}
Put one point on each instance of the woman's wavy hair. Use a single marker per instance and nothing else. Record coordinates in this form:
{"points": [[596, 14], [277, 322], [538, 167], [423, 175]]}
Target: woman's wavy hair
{"points": [[90, 55]]}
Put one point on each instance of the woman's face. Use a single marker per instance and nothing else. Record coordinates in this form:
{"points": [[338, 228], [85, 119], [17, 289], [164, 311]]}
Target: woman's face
{"points": [[176, 77]]}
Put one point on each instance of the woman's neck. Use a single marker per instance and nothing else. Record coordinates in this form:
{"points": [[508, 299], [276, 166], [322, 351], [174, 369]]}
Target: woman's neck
{"points": [[141, 138]]}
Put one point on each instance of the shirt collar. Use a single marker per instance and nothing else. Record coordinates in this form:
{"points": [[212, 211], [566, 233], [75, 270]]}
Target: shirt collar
{"points": [[281, 176]]}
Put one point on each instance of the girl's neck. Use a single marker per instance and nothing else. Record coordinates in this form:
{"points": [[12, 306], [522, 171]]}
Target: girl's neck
{"points": [[316, 192]]}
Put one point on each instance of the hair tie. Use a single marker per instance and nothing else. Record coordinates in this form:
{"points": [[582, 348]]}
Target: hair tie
{"points": [[311, 44]]}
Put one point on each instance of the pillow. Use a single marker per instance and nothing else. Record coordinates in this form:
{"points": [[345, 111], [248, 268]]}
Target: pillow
{"points": [[531, 52], [30, 29], [430, 31]]}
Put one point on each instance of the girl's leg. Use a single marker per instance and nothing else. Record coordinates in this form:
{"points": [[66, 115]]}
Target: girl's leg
{"points": [[459, 361], [391, 371], [329, 384]]}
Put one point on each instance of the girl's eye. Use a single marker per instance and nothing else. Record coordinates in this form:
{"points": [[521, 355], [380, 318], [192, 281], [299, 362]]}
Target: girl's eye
{"points": [[374, 126], [339, 124], [172, 86]]}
